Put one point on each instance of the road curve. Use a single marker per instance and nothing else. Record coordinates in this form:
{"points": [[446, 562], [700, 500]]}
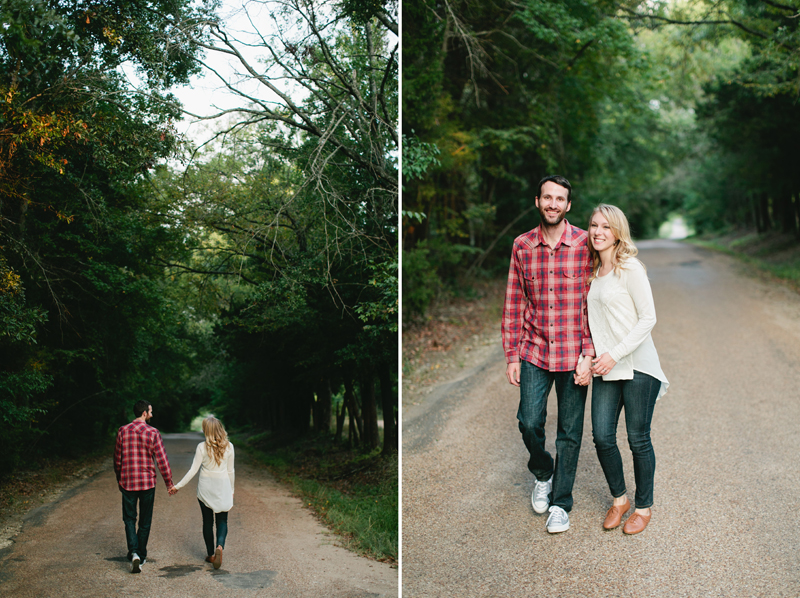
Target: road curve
{"points": [[726, 438], [75, 547]]}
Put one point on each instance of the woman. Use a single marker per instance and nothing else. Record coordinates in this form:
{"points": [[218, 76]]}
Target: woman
{"points": [[627, 371], [214, 459]]}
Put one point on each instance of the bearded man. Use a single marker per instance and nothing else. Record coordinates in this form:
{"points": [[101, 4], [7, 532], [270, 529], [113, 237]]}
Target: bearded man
{"points": [[546, 339]]}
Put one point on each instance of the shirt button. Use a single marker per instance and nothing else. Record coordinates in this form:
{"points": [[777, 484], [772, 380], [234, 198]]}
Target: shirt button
{"points": [[551, 288], [551, 342]]}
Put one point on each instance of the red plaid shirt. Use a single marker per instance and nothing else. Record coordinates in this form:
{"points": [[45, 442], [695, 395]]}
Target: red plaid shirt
{"points": [[138, 445], [544, 315]]}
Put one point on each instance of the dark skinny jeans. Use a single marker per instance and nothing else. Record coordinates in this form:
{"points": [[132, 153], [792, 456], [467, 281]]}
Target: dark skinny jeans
{"points": [[638, 396], [208, 528]]}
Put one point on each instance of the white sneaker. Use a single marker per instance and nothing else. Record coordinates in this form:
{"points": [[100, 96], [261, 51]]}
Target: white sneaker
{"points": [[558, 520], [136, 563], [540, 497]]}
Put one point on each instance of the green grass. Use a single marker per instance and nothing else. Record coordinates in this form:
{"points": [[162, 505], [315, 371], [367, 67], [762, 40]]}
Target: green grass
{"points": [[769, 254], [355, 494]]}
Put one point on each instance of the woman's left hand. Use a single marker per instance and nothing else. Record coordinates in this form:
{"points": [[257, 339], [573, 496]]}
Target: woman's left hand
{"points": [[603, 364]]}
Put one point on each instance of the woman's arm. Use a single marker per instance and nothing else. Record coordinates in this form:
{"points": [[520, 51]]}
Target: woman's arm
{"points": [[231, 473], [198, 461], [638, 287]]}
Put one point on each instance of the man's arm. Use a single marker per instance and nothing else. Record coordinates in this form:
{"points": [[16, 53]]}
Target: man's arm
{"points": [[513, 312], [118, 456], [160, 456]]}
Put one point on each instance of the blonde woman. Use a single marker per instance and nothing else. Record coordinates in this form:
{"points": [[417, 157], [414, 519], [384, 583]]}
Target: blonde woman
{"points": [[627, 370], [214, 459]]}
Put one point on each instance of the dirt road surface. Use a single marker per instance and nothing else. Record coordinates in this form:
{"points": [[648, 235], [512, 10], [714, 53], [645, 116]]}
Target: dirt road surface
{"points": [[75, 547], [727, 443]]}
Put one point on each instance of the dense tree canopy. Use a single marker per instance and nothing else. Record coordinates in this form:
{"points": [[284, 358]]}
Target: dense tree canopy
{"points": [[258, 280], [654, 107]]}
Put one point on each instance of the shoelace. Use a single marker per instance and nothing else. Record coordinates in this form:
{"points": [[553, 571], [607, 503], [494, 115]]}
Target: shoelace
{"points": [[542, 490], [558, 515]]}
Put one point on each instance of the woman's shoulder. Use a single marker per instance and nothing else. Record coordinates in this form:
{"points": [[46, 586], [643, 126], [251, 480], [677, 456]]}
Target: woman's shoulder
{"points": [[633, 264], [633, 267]]}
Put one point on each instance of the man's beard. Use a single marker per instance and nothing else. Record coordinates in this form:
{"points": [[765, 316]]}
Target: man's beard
{"points": [[547, 223]]}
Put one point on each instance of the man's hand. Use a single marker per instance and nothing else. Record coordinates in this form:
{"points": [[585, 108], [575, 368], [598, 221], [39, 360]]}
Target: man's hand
{"points": [[603, 364], [512, 373], [172, 490], [583, 373]]}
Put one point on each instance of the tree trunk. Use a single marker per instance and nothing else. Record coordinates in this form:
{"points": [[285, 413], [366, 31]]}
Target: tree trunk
{"points": [[764, 207], [340, 422], [785, 212], [371, 436], [322, 407], [300, 410], [389, 404], [355, 432]]}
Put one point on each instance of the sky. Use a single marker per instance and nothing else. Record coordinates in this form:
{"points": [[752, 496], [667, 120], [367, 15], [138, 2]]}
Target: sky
{"points": [[207, 95]]}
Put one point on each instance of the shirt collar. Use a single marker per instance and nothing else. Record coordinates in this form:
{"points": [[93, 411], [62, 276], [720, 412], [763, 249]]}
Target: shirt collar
{"points": [[567, 237]]}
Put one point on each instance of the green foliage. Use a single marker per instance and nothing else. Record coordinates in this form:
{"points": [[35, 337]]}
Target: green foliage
{"points": [[673, 107], [420, 281], [262, 278], [418, 157], [95, 328]]}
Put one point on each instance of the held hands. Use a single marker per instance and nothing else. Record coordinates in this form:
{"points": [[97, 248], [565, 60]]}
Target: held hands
{"points": [[172, 490], [583, 373], [603, 364]]}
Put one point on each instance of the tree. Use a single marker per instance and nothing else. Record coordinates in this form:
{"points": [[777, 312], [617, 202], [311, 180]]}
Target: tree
{"points": [[304, 217], [77, 141]]}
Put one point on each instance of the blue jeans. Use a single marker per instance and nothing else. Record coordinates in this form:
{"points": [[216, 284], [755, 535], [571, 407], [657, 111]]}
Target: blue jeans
{"points": [[137, 541], [638, 396], [208, 528], [535, 385]]}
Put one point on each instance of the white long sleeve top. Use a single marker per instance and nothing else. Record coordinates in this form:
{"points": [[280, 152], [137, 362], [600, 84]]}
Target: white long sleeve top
{"points": [[215, 485], [621, 315]]}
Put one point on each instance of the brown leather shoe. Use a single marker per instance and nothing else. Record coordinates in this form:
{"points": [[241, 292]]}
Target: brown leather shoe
{"points": [[217, 562], [615, 513], [210, 559], [636, 523]]}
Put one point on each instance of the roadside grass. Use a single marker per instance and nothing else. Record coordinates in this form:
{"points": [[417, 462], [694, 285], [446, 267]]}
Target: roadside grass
{"points": [[353, 493], [771, 254]]}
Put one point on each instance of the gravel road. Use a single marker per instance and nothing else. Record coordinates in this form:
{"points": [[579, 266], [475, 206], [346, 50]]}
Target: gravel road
{"points": [[75, 547], [726, 438]]}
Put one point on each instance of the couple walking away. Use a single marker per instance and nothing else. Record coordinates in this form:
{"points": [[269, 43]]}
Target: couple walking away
{"points": [[579, 309], [138, 447]]}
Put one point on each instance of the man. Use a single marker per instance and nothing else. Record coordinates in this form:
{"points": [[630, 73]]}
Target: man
{"points": [[545, 334], [138, 445]]}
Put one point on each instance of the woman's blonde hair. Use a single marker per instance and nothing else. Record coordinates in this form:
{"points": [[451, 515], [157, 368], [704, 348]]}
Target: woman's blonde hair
{"points": [[624, 249], [216, 438]]}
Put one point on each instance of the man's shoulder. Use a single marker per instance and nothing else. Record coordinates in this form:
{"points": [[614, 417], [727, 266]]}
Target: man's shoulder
{"points": [[139, 427], [578, 235], [527, 240], [127, 427]]}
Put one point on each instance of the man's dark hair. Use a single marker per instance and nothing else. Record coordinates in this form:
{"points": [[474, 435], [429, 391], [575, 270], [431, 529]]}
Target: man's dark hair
{"points": [[140, 407], [558, 180]]}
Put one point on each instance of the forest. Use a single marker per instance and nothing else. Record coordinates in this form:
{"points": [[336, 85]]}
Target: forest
{"points": [[253, 276], [678, 108]]}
